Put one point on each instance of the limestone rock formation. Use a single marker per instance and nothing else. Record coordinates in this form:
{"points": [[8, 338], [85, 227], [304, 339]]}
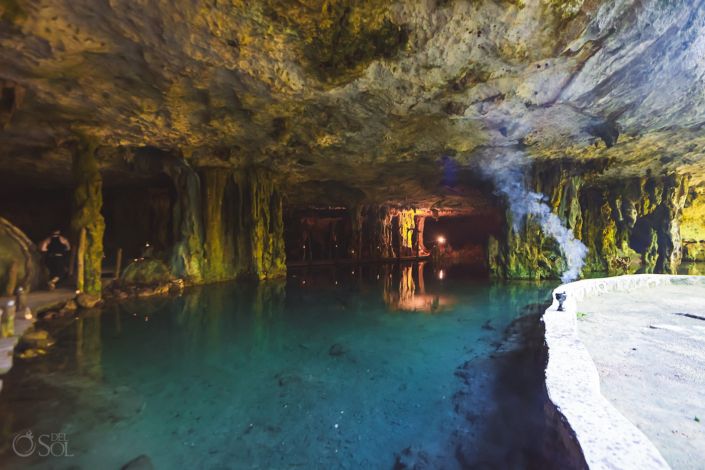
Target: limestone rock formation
{"points": [[266, 104], [19, 260]]}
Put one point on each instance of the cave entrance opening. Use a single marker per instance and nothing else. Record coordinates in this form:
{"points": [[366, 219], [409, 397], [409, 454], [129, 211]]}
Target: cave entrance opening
{"points": [[461, 239]]}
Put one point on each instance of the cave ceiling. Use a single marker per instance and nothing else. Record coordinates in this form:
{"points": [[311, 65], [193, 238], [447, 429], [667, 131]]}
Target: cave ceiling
{"points": [[366, 100]]}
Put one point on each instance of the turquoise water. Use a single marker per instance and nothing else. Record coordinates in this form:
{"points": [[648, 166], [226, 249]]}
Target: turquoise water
{"points": [[372, 367]]}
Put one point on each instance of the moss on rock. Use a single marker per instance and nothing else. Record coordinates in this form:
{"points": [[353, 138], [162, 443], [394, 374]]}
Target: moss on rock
{"points": [[620, 222], [87, 202], [146, 271]]}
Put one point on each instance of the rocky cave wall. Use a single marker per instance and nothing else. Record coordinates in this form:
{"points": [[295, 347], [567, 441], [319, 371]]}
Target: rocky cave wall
{"points": [[693, 226], [243, 226], [19, 260], [624, 223]]}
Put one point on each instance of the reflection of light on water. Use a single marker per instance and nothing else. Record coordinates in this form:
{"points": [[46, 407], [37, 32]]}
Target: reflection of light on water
{"points": [[441, 274], [412, 299]]}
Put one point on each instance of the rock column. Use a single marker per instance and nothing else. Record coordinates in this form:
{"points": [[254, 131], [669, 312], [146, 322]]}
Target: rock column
{"points": [[263, 221], [87, 202], [187, 255], [356, 238]]}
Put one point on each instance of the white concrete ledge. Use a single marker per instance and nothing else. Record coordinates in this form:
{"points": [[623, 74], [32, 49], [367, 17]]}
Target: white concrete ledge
{"points": [[608, 440]]}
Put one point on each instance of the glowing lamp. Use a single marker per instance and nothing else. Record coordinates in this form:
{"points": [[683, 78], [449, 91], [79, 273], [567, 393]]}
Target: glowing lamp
{"points": [[441, 240], [147, 244], [441, 274], [28, 315]]}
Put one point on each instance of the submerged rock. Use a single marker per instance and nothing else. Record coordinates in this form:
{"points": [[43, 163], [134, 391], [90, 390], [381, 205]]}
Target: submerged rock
{"points": [[38, 339], [87, 300], [31, 353], [140, 463]]}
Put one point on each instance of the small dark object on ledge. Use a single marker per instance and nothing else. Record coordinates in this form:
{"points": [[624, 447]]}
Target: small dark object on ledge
{"points": [[690, 315], [561, 297]]}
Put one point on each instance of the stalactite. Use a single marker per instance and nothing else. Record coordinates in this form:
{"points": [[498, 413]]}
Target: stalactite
{"points": [[356, 238], [243, 225], [670, 249], [87, 202], [187, 254], [420, 224], [528, 254], [387, 232], [406, 230], [278, 266], [266, 235], [215, 266]]}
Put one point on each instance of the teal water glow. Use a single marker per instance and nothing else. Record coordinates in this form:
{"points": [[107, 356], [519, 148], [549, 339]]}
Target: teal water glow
{"points": [[336, 368]]}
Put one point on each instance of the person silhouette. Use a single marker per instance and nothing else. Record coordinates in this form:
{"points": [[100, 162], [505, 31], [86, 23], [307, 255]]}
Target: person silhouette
{"points": [[55, 247]]}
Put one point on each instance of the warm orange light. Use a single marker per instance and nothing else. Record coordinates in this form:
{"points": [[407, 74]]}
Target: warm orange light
{"points": [[441, 274], [28, 316], [441, 239]]}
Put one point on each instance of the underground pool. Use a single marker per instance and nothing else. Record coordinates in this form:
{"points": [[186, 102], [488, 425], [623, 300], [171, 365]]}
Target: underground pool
{"points": [[373, 367]]}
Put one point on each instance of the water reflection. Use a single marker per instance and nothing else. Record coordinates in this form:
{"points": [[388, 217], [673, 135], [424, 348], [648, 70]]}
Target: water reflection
{"points": [[692, 268], [239, 369], [88, 344], [410, 298]]}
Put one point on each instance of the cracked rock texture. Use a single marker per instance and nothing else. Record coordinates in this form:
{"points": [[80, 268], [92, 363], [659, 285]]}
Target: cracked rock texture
{"points": [[351, 103], [345, 91]]}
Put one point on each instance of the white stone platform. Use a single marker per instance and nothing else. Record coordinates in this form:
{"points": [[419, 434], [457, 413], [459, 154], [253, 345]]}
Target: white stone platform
{"points": [[608, 440]]}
